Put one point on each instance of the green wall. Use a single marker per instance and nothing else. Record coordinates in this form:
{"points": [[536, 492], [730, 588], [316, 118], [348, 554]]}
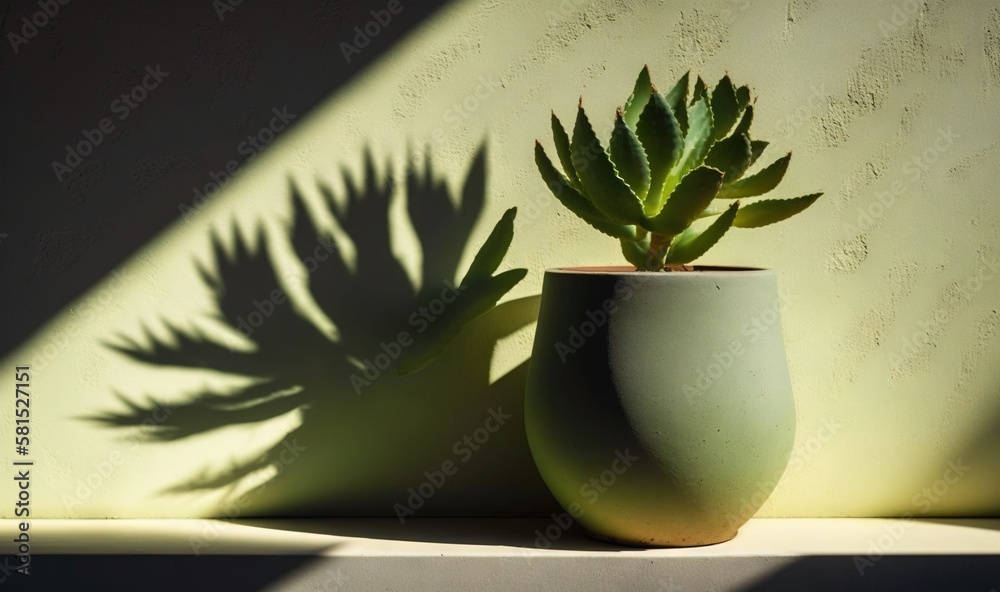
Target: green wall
{"points": [[891, 280]]}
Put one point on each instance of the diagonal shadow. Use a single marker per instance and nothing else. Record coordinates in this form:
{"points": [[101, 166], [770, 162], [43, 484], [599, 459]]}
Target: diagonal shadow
{"points": [[839, 573], [228, 63], [366, 433], [192, 573]]}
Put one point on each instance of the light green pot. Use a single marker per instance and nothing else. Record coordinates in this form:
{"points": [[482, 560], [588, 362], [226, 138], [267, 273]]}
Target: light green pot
{"points": [[658, 407]]}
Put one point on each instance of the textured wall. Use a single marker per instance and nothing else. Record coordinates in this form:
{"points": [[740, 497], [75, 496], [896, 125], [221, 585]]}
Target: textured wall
{"points": [[892, 279]]}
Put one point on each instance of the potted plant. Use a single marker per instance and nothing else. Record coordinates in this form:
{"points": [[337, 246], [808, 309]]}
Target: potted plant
{"points": [[658, 405]]}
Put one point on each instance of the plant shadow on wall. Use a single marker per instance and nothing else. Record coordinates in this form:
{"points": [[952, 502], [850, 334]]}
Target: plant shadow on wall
{"points": [[397, 401]]}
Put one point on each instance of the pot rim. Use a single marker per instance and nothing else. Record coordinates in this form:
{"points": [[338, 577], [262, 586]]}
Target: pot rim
{"points": [[627, 270]]}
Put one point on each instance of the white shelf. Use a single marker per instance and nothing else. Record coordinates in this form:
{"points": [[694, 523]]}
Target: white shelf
{"points": [[501, 554]]}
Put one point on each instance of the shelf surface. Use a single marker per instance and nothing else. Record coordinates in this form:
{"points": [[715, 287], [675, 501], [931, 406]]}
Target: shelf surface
{"points": [[499, 554]]}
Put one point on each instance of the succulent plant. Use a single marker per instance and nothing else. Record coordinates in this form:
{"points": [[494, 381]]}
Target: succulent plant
{"points": [[672, 160]]}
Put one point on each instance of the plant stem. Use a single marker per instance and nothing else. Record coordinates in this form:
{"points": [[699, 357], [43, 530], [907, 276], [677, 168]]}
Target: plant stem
{"points": [[658, 245]]}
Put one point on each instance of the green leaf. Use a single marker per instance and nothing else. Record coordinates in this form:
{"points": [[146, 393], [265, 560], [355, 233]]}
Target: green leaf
{"points": [[606, 190], [696, 144], [640, 96], [661, 138], [637, 253], [691, 244], [725, 107], [491, 254], [677, 99], [574, 200], [628, 157], [620, 231], [744, 125], [758, 184], [769, 211], [712, 210], [756, 149], [472, 301], [731, 156], [700, 90], [694, 193], [562, 150], [743, 96], [485, 294]]}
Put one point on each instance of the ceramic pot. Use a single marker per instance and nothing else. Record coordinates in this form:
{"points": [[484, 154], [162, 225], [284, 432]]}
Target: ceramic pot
{"points": [[658, 406]]}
